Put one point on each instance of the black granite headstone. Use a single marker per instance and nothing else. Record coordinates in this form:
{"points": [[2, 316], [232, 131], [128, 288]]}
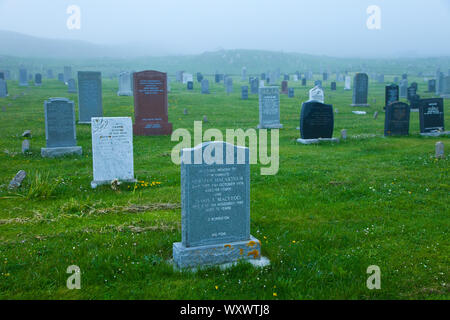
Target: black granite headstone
{"points": [[316, 120], [397, 119], [432, 85], [431, 115], [304, 82], [333, 86], [190, 85], [391, 94]]}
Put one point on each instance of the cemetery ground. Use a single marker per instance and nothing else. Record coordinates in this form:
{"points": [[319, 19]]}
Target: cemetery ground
{"points": [[332, 210]]}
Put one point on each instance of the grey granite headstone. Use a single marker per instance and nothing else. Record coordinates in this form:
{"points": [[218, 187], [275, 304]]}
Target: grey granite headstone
{"points": [[67, 74], [445, 93], [190, 85], [72, 86], [440, 153], [291, 93], [3, 88], [16, 182], [317, 94], [269, 108], [229, 85], [215, 207], [60, 130], [112, 150], [25, 146], [244, 92], [403, 89], [89, 96], [360, 90], [60, 77], [23, 78], [50, 74], [244, 73], [125, 84], [348, 83], [205, 86], [38, 79], [254, 86]]}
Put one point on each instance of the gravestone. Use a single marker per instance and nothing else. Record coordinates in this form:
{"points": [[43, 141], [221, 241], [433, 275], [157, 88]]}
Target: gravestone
{"points": [[391, 94], [318, 83], [397, 119], [295, 78], [2, 75], [23, 78], [316, 94], [90, 102], [254, 86], [316, 122], [67, 74], [348, 83], [360, 90], [439, 82], [431, 115], [72, 86], [217, 78], [25, 146], [16, 182], [190, 85], [404, 76], [112, 150], [61, 77], [304, 82], [333, 86], [291, 93], [286, 77], [325, 76], [269, 108], [215, 207], [60, 130], [244, 92], [403, 89], [439, 150], [432, 85], [263, 76], [150, 104], [179, 76], [199, 77], [50, 74], [411, 92], [344, 134], [3, 89], [229, 85], [381, 78], [38, 79], [284, 87], [445, 93], [187, 77], [244, 73], [396, 79], [125, 84], [30, 77], [205, 86]]}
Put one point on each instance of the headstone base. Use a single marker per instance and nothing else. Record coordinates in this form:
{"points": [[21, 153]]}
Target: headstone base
{"points": [[217, 254], [435, 134], [360, 105], [84, 122], [125, 93], [275, 126], [315, 141], [59, 152], [95, 184], [152, 129]]}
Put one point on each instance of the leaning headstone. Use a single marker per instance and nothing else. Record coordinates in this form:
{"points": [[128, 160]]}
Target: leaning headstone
{"points": [[23, 78], [360, 90], [397, 118], [205, 86], [60, 130], [316, 122], [3, 88], [26, 134], [72, 86], [431, 117], [90, 102], [316, 94], [348, 83], [375, 115], [291, 93], [269, 108], [150, 104], [125, 84], [215, 207], [244, 92], [16, 182], [112, 150], [67, 74], [440, 153], [38, 79]]}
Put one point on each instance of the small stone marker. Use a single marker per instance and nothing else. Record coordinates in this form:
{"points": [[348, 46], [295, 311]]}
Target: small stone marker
{"points": [[205, 119], [333, 86], [16, 182], [190, 85], [229, 85], [344, 134], [38, 79], [215, 207], [185, 111], [112, 150], [291, 93], [25, 146], [440, 154], [269, 108], [375, 115]]}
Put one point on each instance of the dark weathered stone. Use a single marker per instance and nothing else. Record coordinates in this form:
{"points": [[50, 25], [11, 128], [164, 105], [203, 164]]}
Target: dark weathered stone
{"points": [[397, 119], [316, 120]]}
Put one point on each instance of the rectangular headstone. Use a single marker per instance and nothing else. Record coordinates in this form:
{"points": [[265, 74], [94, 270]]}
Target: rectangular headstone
{"points": [[397, 119], [90, 102], [67, 74], [244, 92], [431, 114], [112, 150], [205, 86], [3, 88], [291, 92], [360, 90], [269, 108], [316, 120], [23, 78], [284, 87], [125, 84], [391, 94]]}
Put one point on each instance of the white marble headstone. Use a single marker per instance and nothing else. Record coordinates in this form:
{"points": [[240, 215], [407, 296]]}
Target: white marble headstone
{"points": [[348, 83], [316, 94], [112, 150]]}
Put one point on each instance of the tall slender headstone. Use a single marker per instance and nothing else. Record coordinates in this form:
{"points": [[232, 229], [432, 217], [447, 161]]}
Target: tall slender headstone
{"points": [[60, 130], [360, 90], [348, 83], [244, 74], [291, 93], [50, 74], [125, 84], [244, 92], [23, 77], [90, 102], [445, 93], [403, 89], [215, 206], [150, 104], [72, 86], [3, 88], [229, 85], [397, 119], [269, 108], [284, 87], [431, 85], [112, 150], [205, 86], [38, 79], [67, 74], [254, 86], [333, 86]]}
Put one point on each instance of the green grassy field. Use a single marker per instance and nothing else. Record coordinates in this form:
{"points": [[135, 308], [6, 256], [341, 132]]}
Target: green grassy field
{"points": [[330, 212]]}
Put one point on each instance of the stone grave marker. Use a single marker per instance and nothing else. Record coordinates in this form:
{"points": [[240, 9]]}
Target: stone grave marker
{"points": [[284, 87], [3, 88], [403, 89], [38, 79], [269, 108], [205, 86], [72, 86], [316, 122], [291, 93], [360, 90], [67, 74], [431, 116], [190, 85], [23, 77], [348, 83], [90, 102], [125, 84], [316, 94], [244, 92], [391, 94], [397, 118]]}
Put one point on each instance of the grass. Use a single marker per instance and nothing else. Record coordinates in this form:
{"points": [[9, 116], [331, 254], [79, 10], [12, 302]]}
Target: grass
{"points": [[330, 212]]}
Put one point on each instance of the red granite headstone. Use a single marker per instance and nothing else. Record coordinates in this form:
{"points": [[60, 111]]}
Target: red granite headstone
{"points": [[284, 87], [150, 104]]}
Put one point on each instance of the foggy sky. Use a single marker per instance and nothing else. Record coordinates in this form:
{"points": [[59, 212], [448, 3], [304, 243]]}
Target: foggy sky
{"points": [[323, 27]]}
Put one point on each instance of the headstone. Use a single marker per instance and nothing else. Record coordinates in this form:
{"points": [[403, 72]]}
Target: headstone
{"points": [[50, 74], [244, 92], [150, 104], [112, 150], [215, 207], [254, 86], [125, 84], [269, 108], [72, 86], [38, 79], [205, 86], [404, 76], [410, 93], [403, 89], [375, 115], [67, 74], [445, 93], [431, 115], [295, 78], [199, 77], [284, 87], [217, 78], [244, 73], [16, 182], [286, 77], [23, 78], [316, 94], [7, 75], [291, 93], [229, 85], [439, 82], [440, 153], [325, 76], [318, 83], [396, 80], [2, 75], [185, 111], [205, 119], [25, 146], [348, 83], [60, 130], [263, 76], [344, 134], [304, 82], [3, 88], [360, 90], [333, 86], [316, 120], [60, 77], [391, 94], [187, 77], [397, 119], [26, 134], [381, 78], [90, 102], [432, 85], [179, 76], [190, 85]]}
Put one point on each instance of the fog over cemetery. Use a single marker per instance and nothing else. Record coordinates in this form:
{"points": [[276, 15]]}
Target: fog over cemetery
{"points": [[151, 168]]}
